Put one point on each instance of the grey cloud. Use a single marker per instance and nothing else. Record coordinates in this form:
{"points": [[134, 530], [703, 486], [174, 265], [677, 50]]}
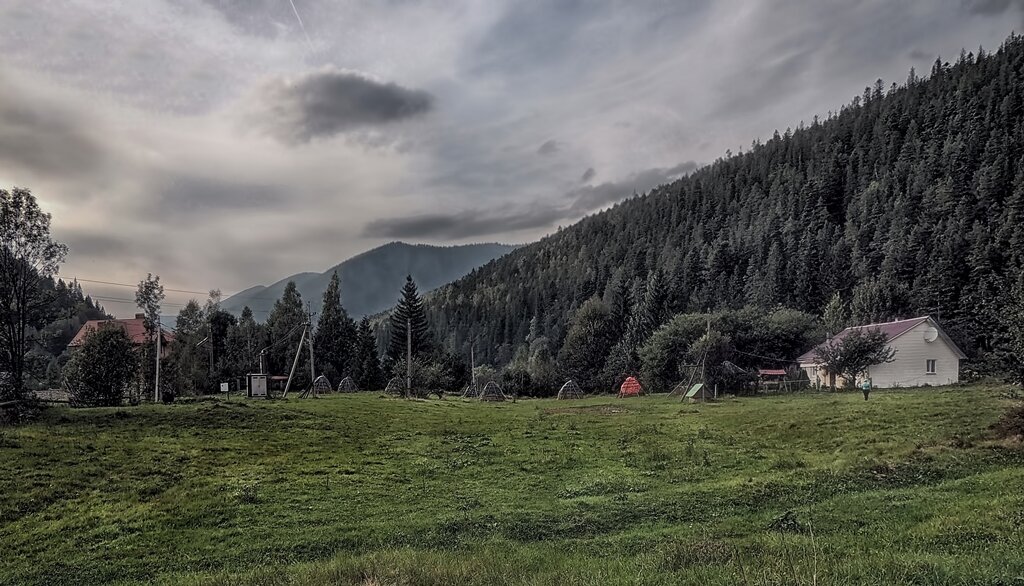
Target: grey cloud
{"points": [[328, 102], [991, 6], [189, 195], [508, 219], [589, 174], [549, 147], [44, 138]]}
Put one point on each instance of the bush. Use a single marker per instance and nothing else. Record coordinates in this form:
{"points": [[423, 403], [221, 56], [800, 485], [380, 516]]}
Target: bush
{"points": [[1011, 424], [102, 370]]}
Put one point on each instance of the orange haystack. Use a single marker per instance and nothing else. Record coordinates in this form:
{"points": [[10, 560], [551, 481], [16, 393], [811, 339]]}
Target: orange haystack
{"points": [[630, 388]]}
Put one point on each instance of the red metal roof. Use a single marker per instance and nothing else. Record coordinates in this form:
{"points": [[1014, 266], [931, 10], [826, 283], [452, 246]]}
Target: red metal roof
{"points": [[771, 371], [890, 329], [135, 328]]}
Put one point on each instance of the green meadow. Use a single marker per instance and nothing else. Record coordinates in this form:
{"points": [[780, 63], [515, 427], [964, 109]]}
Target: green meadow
{"points": [[911, 487]]}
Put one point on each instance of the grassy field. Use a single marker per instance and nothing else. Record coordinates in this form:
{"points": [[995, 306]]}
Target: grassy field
{"points": [[907, 488]]}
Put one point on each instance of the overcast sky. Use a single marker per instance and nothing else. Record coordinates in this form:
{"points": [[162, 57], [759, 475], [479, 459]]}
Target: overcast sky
{"points": [[218, 144]]}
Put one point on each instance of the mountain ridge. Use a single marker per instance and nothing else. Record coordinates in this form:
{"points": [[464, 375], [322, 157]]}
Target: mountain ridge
{"points": [[370, 280]]}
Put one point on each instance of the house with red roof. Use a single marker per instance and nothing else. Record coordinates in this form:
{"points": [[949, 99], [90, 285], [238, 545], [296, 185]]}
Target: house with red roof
{"points": [[925, 355], [134, 327]]}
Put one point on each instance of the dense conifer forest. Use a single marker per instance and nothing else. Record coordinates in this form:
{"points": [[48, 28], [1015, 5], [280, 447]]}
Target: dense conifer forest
{"points": [[909, 200]]}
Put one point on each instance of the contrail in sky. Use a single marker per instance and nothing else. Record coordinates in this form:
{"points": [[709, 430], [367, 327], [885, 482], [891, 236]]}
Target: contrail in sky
{"points": [[301, 26]]}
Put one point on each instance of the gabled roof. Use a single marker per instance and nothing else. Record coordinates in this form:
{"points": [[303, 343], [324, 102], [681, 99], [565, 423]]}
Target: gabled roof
{"points": [[892, 330], [135, 328]]}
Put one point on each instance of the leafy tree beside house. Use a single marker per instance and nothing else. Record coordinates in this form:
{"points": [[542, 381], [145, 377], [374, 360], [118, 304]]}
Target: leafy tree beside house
{"points": [[851, 356], [103, 369]]}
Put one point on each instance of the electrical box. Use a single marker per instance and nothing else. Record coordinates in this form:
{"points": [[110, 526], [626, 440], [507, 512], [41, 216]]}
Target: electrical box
{"points": [[257, 386]]}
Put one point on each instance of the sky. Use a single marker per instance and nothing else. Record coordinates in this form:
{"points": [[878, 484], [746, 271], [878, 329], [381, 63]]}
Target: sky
{"points": [[227, 143]]}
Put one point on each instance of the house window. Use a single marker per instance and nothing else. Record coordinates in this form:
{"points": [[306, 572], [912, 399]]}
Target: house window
{"points": [[929, 366]]}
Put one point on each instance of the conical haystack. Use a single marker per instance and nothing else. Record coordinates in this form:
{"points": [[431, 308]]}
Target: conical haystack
{"points": [[492, 392], [570, 390], [395, 387], [322, 386], [471, 392], [630, 388], [347, 385]]}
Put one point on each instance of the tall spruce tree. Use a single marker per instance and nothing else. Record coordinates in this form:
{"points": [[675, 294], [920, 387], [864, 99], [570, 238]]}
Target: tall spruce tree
{"points": [[409, 314], [284, 326], [335, 337], [366, 369]]}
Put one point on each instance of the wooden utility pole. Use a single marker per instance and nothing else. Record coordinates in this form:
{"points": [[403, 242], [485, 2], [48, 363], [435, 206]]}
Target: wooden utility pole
{"points": [[309, 325], [295, 363], [156, 378], [408, 358]]}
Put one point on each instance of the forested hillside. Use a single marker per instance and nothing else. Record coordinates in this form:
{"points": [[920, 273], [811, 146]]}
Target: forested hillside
{"points": [[909, 200]]}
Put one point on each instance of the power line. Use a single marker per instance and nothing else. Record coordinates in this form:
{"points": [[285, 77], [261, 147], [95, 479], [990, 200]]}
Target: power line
{"points": [[129, 285]]}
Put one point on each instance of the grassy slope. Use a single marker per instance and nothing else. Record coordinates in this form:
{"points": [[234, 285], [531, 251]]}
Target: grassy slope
{"points": [[359, 489]]}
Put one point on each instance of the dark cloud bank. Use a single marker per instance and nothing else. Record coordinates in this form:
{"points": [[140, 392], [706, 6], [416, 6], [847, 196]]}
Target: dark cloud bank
{"points": [[575, 204], [324, 103]]}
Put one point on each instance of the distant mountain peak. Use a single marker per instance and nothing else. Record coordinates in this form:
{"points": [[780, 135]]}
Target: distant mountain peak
{"points": [[371, 280]]}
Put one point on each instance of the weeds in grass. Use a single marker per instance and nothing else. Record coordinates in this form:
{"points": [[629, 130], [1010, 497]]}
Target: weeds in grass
{"points": [[1011, 423]]}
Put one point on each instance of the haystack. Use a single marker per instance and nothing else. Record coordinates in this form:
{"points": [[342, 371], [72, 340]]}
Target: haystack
{"points": [[322, 386], [570, 390], [630, 388], [347, 385], [492, 392], [471, 392], [395, 387]]}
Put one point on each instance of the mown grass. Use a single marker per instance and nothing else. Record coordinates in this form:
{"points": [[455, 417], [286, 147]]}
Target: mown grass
{"points": [[907, 488]]}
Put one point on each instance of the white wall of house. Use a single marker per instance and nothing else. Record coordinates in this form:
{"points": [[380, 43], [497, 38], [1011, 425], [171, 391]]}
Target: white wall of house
{"points": [[909, 367]]}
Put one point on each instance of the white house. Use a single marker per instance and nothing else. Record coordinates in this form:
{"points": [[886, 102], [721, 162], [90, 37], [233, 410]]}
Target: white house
{"points": [[924, 356]]}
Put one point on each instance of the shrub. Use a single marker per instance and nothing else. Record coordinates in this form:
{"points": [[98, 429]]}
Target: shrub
{"points": [[1011, 424], [103, 368]]}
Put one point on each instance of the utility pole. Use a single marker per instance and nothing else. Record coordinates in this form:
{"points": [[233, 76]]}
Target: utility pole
{"points": [[295, 363], [156, 378], [472, 365], [408, 358], [309, 325]]}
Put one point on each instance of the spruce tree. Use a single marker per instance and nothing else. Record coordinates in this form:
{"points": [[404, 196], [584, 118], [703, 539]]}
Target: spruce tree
{"points": [[366, 369], [284, 326], [835, 316], [409, 313], [334, 339]]}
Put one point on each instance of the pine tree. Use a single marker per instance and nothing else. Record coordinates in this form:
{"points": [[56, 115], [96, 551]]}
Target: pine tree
{"points": [[409, 313], [335, 335], [835, 316], [284, 326], [366, 370]]}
